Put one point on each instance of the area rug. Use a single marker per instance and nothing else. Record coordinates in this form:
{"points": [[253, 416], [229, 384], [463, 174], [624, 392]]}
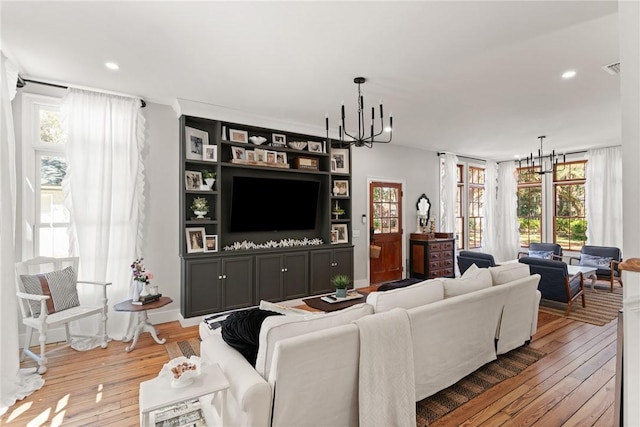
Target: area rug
{"points": [[506, 366], [602, 305], [187, 348]]}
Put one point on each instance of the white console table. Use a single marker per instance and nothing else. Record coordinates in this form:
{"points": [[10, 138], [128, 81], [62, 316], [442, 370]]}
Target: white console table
{"points": [[157, 393]]}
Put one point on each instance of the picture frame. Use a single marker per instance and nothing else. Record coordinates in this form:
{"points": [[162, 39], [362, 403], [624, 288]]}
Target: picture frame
{"points": [[195, 239], [210, 153], [281, 158], [193, 180], [333, 165], [239, 153], [211, 243], [315, 147], [195, 139], [270, 156], [250, 155], [341, 187], [278, 140], [334, 237], [261, 155], [341, 157], [342, 233], [236, 135]]}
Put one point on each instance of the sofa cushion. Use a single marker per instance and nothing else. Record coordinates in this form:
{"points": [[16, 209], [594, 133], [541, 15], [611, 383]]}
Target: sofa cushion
{"points": [[541, 254], [472, 280], [278, 328], [241, 330], [421, 293], [60, 286], [509, 272], [601, 262]]}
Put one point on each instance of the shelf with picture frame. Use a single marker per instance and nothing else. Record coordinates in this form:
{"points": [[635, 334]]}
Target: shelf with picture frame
{"points": [[240, 285]]}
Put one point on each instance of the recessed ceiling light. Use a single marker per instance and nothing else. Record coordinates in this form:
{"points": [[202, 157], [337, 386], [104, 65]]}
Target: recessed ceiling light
{"points": [[112, 65], [568, 74]]}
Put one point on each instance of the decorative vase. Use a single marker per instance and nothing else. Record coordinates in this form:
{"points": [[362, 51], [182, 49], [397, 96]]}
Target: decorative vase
{"points": [[136, 289], [210, 182], [341, 292], [145, 290], [200, 214]]}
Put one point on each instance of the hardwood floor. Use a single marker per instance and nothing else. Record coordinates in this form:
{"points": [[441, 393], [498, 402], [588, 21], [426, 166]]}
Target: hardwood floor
{"points": [[573, 385]]}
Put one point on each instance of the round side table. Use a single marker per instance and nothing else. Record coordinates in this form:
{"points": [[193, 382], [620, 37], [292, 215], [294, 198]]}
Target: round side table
{"points": [[142, 325]]}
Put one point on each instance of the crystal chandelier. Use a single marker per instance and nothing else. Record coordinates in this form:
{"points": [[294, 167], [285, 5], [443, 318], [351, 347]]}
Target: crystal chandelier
{"points": [[541, 158], [361, 139]]}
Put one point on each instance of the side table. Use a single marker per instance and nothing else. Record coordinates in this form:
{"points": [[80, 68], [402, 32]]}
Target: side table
{"points": [[142, 325], [157, 393]]}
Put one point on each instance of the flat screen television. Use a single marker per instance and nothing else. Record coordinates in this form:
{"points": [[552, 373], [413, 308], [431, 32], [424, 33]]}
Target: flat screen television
{"points": [[267, 204]]}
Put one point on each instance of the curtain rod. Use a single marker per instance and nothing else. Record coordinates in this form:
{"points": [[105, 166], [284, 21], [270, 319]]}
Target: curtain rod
{"points": [[22, 83], [569, 152]]}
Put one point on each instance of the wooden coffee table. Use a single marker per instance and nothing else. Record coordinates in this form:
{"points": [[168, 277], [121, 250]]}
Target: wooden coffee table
{"points": [[142, 325]]}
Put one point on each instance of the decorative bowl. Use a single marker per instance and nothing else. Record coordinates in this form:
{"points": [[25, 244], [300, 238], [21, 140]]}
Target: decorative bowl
{"points": [[181, 371], [298, 145], [257, 139]]}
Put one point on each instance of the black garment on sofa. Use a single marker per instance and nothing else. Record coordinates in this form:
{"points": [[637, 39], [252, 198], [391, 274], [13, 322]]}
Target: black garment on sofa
{"points": [[398, 284], [241, 330]]}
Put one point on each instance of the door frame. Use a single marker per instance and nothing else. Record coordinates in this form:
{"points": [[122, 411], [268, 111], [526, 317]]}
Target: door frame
{"points": [[404, 260]]}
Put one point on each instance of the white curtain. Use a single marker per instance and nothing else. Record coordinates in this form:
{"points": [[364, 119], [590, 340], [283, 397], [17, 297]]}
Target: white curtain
{"points": [[104, 192], [448, 193], [603, 196], [15, 383], [507, 243], [490, 238]]}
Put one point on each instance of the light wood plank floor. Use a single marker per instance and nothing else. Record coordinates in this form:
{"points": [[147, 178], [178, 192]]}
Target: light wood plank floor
{"points": [[573, 385]]}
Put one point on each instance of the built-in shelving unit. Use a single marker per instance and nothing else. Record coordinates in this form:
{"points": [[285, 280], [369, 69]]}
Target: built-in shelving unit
{"points": [[231, 279]]}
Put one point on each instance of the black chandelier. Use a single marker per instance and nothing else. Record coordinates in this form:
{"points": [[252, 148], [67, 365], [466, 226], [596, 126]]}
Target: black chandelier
{"points": [[541, 157], [360, 139]]}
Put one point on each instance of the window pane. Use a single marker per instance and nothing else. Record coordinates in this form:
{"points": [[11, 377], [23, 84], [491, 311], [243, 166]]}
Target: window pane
{"points": [[52, 171], [50, 127], [53, 241]]}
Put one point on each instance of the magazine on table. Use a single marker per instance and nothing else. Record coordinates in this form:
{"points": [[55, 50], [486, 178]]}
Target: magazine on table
{"points": [[183, 414]]}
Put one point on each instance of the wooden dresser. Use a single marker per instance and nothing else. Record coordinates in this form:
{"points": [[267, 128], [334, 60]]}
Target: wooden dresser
{"points": [[431, 255]]}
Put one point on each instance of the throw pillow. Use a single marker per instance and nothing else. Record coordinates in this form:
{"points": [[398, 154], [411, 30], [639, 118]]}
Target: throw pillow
{"points": [[475, 281], [472, 271], [59, 285], [241, 330], [601, 262], [541, 254]]}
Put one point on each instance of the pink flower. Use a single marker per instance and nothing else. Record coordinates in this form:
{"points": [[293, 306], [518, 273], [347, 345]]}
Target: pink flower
{"points": [[149, 275]]}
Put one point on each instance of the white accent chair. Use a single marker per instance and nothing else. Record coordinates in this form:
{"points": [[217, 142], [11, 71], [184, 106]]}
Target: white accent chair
{"points": [[45, 321]]}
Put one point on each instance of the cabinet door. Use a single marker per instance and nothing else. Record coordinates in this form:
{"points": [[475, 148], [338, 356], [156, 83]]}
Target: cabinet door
{"points": [[296, 276], [343, 262], [237, 290], [269, 278], [204, 294], [321, 271]]}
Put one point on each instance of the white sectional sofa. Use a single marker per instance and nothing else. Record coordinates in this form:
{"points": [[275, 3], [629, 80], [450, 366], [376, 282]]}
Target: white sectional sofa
{"points": [[307, 368]]}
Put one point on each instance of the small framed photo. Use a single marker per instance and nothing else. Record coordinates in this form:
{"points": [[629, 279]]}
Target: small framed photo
{"points": [[315, 147], [211, 243], [342, 232], [334, 237], [270, 156], [195, 239], [281, 158], [238, 153], [210, 153], [261, 155], [250, 155], [333, 165], [341, 157], [238, 135], [341, 187], [195, 140], [193, 180], [278, 140]]}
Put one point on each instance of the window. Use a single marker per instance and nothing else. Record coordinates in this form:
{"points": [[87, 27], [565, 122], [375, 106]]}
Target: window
{"points": [[530, 205], [44, 167], [469, 207], [569, 222]]}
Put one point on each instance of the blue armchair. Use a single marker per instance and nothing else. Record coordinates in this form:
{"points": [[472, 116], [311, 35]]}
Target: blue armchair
{"points": [[544, 250], [605, 258], [555, 283], [482, 260]]}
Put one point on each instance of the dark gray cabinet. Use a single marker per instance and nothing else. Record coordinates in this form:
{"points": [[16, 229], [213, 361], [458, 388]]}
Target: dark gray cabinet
{"points": [[282, 276], [237, 279], [204, 295], [327, 263]]}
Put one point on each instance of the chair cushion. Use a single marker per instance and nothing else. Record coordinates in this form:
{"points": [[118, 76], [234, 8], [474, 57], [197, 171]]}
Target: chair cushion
{"points": [[472, 280], [601, 262], [59, 285], [241, 330], [541, 254]]}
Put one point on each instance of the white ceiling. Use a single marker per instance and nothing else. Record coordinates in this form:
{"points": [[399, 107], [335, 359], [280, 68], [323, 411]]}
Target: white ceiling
{"points": [[476, 78]]}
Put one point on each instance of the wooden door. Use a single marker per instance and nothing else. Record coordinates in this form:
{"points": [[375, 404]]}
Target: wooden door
{"points": [[385, 225]]}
